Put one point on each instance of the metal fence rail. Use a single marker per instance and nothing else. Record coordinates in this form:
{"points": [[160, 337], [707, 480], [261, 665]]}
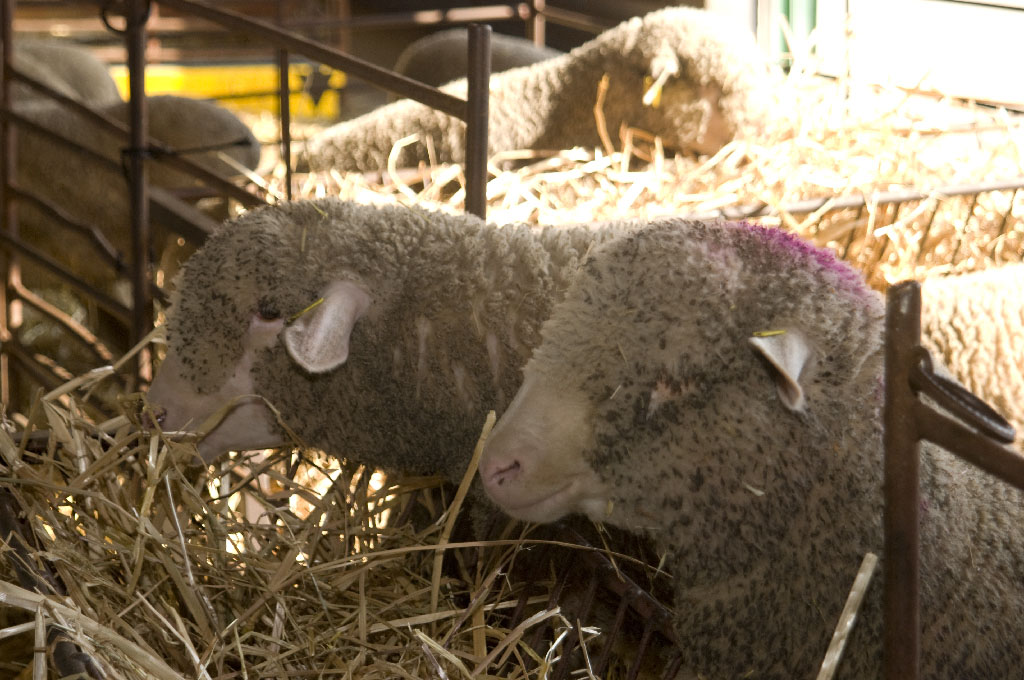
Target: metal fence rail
{"points": [[147, 202], [907, 421]]}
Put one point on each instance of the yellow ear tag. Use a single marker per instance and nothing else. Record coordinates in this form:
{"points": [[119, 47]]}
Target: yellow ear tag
{"points": [[293, 317], [652, 90]]}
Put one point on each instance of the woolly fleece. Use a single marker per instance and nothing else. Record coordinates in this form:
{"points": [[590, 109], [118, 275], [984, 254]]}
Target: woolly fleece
{"points": [[766, 512], [446, 292], [443, 56], [974, 324], [549, 105], [71, 70], [96, 194]]}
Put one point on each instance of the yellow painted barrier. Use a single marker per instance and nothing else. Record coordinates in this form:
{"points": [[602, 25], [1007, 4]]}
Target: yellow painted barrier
{"points": [[248, 87]]}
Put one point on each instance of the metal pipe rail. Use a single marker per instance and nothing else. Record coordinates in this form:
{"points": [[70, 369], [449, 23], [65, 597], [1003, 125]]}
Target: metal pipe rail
{"points": [[102, 246], [159, 152], [422, 17], [9, 225], [107, 302], [278, 37], [76, 330], [473, 111], [978, 438], [810, 205]]}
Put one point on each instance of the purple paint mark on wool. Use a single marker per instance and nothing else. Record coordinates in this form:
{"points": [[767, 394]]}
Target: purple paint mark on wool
{"points": [[799, 249]]}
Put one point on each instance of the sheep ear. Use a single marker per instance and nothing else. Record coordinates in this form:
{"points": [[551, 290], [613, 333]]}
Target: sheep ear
{"points": [[789, 353], [318, 339]]}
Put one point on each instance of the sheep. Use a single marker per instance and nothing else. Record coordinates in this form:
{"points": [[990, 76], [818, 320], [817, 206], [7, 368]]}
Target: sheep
{"points": [[98, 195], [442, 56], [718, 387], [68, 68], [424, 322], [705, 82], [974, 323]]}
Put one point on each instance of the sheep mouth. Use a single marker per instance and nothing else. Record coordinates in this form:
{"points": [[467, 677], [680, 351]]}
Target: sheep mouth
{"points": [[550, 506]]}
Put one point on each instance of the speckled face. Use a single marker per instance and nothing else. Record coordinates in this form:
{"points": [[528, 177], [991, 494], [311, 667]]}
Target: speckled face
{"points": [[233, 300], [270, 263], [231, 304], [682, 411], [223, 287], [332, 317]]}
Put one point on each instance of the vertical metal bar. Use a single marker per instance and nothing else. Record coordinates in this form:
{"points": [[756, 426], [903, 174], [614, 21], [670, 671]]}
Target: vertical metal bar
{"points": [[1006, 215], [477, 107], [673, 667], [902, 539], [7, 206], [645, 638], [997, 240], [536, 28], [284, 108], [885, 238], [137, 13]]}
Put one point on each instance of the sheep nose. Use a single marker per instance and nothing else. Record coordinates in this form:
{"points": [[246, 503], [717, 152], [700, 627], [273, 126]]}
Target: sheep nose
{"points": [[500, 473], [153, 416]]}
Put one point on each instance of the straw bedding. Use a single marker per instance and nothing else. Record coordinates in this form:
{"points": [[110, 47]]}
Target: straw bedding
{"points": [[292, 565], [272, 565], [835, 140]]}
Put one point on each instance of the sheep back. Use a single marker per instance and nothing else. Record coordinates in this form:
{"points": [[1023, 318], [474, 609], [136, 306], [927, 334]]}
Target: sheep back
{"points": [[97, 194], [721, 87], [68, 68], [974, 324], [443, 56]]}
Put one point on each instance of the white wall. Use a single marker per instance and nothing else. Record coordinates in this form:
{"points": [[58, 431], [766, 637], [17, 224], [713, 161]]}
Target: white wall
{"points": [[965, 49], [961, 49]]}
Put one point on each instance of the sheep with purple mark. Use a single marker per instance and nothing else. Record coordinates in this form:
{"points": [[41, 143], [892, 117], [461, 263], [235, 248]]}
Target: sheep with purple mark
{"points": [[423, 322], [683, 74], [719, 387]]}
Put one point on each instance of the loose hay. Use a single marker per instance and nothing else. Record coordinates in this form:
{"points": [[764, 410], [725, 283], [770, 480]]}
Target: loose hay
{"points": [[272, 565], [833, 140]]}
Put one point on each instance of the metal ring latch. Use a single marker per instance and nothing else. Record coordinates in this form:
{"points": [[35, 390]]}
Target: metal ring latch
{"points": [[958, 400]]}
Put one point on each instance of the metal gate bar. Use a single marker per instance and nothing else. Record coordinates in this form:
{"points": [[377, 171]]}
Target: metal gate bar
{"points": [[908, 420], [473, 111]]}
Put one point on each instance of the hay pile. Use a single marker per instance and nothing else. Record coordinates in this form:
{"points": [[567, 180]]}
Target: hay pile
{"points": [[273, 565], [834, 143]]}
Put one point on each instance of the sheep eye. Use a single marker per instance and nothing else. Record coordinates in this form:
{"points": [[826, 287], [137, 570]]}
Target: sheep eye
{"points": [[267, 311]]}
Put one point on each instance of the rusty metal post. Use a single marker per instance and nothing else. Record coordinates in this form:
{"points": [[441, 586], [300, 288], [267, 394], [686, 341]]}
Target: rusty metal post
{"points": [[477, 111], [136, 16], [952, 418], [8, 209], [901, 649]]}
